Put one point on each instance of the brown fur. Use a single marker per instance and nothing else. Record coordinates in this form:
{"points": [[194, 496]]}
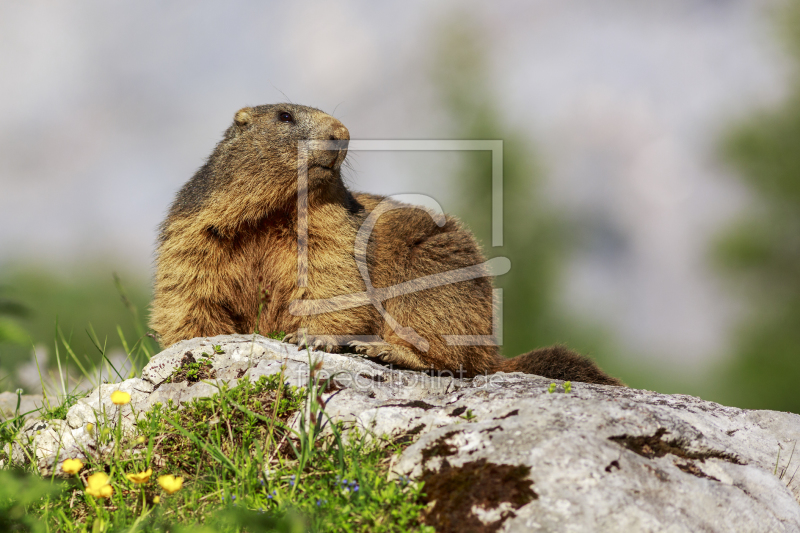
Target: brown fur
{"points": [[232, 231]]}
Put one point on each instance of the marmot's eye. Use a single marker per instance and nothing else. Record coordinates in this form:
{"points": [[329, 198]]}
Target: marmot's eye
{"points": [[286, 117]]}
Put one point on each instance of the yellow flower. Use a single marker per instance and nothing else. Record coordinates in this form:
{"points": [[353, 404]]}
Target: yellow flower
{"points": [[156, 499], [97, 486], [71, 466], [90, 428], [170, 483], [120, 398], [140, 440], [141, 477]]}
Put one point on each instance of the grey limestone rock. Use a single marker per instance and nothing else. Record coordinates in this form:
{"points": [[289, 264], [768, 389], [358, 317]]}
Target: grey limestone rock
{"points": [[29, 404], [504, 451]]}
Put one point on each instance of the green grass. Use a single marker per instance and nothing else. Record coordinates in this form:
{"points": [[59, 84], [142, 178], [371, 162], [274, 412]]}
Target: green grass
{"points": [[84, 307], [244, 469]]}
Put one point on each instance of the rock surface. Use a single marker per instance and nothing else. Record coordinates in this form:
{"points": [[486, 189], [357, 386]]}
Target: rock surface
{"points": [[29, 404], [503, 452]]}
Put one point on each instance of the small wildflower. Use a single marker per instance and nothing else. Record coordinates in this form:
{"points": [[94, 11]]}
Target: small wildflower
{"points": [[319, 503], [97, 486], [156, 499], [170, 483], [90, 428], [140, 477], [140, 439], [120, 398], [71, 466]]}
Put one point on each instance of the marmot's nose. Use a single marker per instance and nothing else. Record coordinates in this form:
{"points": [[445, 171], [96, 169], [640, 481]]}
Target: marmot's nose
{"points": [[337, 132]]}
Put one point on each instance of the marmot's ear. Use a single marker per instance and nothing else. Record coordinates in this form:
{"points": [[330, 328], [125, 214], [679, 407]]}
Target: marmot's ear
{"points": [[243, 118]]}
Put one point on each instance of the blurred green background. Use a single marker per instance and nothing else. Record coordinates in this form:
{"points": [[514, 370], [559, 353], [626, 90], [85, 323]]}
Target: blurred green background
{"points": [[89, 309], [760, 253], [754, 256]]}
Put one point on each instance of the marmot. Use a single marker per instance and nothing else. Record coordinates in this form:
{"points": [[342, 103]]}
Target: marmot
{"points": [[232, 233]]}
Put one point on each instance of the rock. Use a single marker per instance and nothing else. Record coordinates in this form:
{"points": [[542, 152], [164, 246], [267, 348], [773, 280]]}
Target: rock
{"points": [[601, 459], [502, 452], [97, 407], [30, 404]]}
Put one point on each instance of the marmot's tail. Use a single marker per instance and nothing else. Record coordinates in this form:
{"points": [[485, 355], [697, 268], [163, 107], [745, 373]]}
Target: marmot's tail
{"points": [[559, 362]]}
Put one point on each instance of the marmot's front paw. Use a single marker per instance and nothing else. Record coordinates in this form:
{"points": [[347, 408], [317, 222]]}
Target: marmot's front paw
{"points": [[318, 343], [392, 354], [376, 350]]}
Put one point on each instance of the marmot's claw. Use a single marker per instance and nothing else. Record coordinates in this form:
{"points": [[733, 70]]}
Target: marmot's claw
{"points": [[322, 345], [359, 347], [377, 350], [319, 343], [389, 357], [297, 338], [355, 346]]}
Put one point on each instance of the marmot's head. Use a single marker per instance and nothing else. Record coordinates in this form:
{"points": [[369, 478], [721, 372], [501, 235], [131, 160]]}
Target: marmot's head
{"points": [[254, 169], [291, 137]]}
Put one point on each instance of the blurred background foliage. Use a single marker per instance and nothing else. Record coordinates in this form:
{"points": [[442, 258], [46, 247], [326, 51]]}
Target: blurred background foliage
{"points": [[78, 299], [537, 238], [10, 312], [759, 255]]}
